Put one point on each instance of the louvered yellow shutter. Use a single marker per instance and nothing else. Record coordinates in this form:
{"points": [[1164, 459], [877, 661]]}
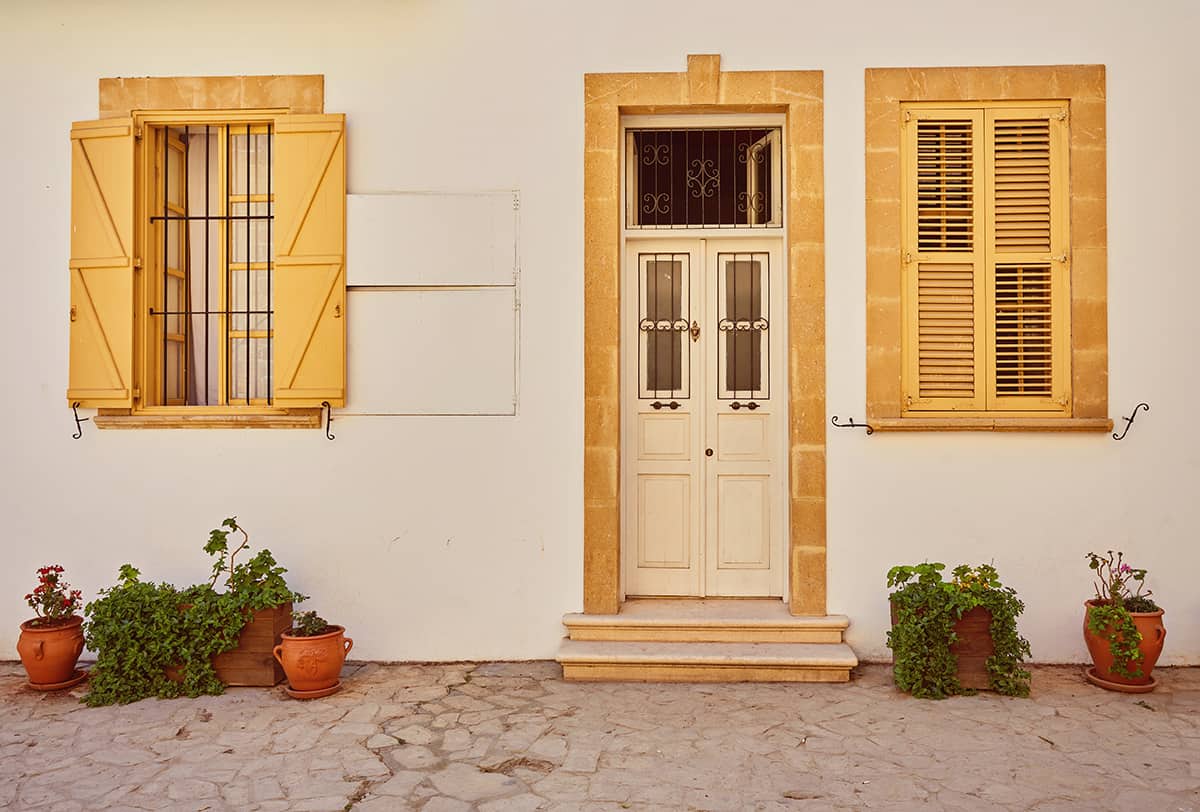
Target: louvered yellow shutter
{"points": [[310, 246], [101, 264], [1028, 295], [943, 261]]}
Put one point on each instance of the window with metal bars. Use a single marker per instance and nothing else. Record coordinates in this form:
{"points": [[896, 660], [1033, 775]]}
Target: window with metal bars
{"points": [[212, 309]]}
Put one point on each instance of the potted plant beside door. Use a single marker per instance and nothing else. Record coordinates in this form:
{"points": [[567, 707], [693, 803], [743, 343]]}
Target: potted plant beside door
{"points": [[1122, 627], [50, 644]]}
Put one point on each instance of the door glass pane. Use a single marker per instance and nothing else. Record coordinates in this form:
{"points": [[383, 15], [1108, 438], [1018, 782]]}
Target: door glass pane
{"points": [[743, 325], [663, 291], [663, 324]]}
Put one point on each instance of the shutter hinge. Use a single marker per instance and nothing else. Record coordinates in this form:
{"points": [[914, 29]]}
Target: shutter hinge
{"points": [[74, 313], [137, 393], [137, 133], [908, 257], [137, 263], [908, 400], [907, 116], [1059, 258]]}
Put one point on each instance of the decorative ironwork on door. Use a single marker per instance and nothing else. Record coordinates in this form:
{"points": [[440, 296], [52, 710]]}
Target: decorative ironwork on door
{"points": [[704, 178]]}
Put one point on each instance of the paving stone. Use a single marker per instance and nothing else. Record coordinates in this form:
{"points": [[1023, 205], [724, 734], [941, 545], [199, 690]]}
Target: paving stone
{"points": [[469, 783], [443, 804], [381, 740], [517, 803], [412, 757], [401, 783], [414, 734]]}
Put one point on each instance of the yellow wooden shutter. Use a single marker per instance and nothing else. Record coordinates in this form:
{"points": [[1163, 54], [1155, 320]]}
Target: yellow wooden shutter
{"points": [[101, 264], [942, 256], [1028, 260], [310, 277]]}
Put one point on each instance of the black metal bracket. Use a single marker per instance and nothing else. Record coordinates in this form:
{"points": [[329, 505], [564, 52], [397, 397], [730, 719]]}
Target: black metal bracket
{"points": [[1129, 420], [79, 421], [852, 425], [328, 419], [673, 405]]}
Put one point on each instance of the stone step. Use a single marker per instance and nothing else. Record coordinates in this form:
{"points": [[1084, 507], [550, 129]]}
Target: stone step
{"points": [[706, 621], [606, 660]]}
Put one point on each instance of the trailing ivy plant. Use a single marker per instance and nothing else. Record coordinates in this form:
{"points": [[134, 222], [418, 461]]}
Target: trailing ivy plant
{"points": [[927, 607], [139, 629], [1109, 615]]}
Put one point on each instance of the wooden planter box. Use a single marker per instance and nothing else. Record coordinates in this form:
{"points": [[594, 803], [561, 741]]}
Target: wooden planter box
{"points": [[974, 647], [252, 661]]}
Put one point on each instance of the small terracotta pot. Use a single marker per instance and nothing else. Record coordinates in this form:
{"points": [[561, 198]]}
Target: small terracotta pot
{"points": [[49, 653], [313, 663], [1149, 625]]}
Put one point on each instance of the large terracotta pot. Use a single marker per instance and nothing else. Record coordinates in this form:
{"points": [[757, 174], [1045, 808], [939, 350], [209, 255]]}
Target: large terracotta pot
{"points": [[313, 663], [49, 653], [1149, 625]]}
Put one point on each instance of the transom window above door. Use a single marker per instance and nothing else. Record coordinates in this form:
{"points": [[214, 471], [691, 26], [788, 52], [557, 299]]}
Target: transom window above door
{"points": [[703, 177]]}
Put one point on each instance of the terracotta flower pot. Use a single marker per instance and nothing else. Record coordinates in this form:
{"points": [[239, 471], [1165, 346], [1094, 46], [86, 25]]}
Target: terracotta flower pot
{"points": [[1149, 625], [313, 663], [49, 653]]}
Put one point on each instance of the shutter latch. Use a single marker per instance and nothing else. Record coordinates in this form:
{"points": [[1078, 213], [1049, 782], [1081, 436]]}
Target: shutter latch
{"points": [[1059, 258], [1062, 115]]}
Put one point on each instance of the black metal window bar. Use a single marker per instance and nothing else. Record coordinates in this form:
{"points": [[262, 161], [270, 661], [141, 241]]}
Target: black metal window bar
{"points": [[244, 311], [743, 324], [704, 178], [664, 308]]}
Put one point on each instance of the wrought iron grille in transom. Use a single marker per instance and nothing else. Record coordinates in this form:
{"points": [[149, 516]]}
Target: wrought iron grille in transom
{"points": [[703, 178]]}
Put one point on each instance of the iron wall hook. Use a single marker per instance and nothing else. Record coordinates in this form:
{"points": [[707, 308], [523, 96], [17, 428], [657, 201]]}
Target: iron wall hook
{"points": [[79, 421], [328, 419], [852, 425], [1129, 420]]}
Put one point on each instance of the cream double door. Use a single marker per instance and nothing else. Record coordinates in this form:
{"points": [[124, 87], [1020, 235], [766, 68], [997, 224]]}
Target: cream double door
{"points": [[704, 417]]}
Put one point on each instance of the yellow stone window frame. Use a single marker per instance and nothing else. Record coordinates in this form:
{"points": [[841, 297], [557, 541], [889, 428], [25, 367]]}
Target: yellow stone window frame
{"points": [[1082, 89]]}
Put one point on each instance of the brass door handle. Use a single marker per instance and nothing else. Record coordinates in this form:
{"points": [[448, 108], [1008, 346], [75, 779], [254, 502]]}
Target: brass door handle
{"points": [[695, 330]]}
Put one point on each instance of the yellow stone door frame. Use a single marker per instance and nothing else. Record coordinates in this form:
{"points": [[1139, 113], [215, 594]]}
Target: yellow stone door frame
{"points": [[704, 88]]}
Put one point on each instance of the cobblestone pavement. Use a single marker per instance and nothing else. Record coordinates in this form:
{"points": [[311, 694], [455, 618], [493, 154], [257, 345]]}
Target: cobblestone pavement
{"points": [[513, 736]]}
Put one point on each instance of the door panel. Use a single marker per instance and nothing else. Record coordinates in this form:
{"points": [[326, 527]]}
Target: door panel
{"points": [[664, 521], [664, 436], [743, 521], [704, 493]]}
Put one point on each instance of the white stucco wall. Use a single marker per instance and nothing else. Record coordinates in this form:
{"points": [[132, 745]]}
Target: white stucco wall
{"points": [[453, 538]]}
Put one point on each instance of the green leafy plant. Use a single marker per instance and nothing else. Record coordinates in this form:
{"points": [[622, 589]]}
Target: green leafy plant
{"points": [[308, 624], [140, 629], [927, 607], [1109, 614]]}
